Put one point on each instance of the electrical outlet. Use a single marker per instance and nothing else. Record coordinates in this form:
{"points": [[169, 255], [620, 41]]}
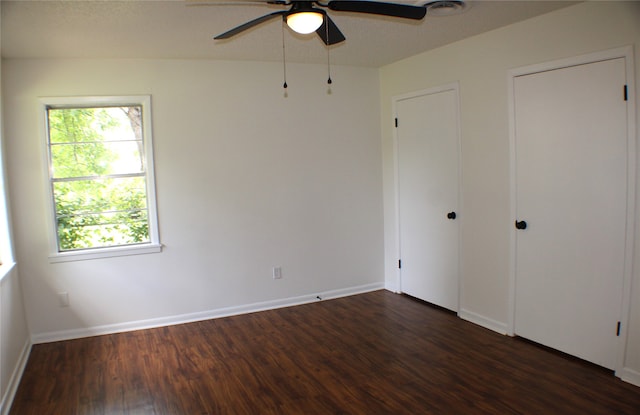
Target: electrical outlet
{"points": [[277, 273], [63, 299]]}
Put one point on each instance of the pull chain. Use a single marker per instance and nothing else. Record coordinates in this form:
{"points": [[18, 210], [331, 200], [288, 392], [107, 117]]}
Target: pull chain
{"points": [[284, 62], [329, 81]]}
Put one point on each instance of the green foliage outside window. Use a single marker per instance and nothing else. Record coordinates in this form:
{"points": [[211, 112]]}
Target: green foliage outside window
{"points": [[98, 176]]}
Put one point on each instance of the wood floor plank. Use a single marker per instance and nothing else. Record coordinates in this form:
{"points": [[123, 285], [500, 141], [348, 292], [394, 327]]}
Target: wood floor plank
{"points": [[374, 353]]}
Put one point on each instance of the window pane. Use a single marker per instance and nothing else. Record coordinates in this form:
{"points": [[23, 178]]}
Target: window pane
{"points": [[74, 125], [102, 230], [87, 212], [87, 196], [96, 159]]}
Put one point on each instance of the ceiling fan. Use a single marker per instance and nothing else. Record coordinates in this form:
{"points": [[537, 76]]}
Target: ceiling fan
{"points": [[309, 16]]}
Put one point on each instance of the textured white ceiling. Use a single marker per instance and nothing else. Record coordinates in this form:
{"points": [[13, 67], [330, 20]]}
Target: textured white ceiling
{"points": [[179, 29]]}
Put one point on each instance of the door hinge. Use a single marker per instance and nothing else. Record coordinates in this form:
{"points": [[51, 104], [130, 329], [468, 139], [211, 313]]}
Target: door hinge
{"points": [[626, 96], [399, 263], [396, 122], [618, 329]]}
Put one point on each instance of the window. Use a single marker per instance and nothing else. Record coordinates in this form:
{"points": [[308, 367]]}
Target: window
{"points": [[6, 253], [100, 177]]}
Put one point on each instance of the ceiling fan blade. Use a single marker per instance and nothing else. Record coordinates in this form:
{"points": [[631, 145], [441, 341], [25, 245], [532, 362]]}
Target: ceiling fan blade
{"points": [[335, 35], [233, 2], [373, 7], [249, 25]]}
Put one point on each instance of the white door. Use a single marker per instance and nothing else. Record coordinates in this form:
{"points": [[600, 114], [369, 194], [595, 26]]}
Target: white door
{"points": [[571, 190], [428, 153]]}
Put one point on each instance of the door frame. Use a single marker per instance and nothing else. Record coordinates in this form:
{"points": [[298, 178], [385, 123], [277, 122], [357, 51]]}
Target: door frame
{"points": [[627, 54], [455, 87]]}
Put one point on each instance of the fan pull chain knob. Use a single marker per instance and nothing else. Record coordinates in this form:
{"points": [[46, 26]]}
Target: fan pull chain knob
{"points": [[521, 225]]}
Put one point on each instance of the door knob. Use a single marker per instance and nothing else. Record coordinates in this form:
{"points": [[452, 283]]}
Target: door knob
{"points": [[521, 224], [451, 215]]}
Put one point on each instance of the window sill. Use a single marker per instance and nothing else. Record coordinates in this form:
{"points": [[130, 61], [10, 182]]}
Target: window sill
{"points": [[104, 253]]}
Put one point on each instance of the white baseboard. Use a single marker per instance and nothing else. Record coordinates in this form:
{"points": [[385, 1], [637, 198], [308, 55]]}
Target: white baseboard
{"points": [[483, 321], [199, 316], [629, 375], [14, 380]]}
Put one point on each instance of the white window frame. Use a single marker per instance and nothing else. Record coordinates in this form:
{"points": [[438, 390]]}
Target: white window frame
{"points": [[153, 245]]}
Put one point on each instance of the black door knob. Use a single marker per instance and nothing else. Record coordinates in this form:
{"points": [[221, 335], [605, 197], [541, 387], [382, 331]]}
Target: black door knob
{"points": [[451, 215], [521, 225]]}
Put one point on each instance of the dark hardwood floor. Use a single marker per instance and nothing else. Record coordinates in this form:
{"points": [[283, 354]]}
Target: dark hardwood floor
{"points": [[375, 353]]}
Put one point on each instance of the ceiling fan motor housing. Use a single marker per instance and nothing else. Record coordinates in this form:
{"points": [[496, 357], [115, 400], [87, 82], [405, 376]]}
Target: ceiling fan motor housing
{"points": [[445, 7]]}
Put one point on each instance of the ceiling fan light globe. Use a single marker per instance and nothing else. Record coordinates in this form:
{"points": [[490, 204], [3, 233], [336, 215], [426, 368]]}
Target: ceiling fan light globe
{"points": [[305, 22]]}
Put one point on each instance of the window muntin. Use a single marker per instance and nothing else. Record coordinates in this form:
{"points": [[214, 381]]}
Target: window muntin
{"points": [[100, 174]]}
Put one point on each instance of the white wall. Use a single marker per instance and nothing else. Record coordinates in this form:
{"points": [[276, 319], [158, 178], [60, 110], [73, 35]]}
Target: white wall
{"points": [[14, 336], [246, 180], [481, 65]]}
